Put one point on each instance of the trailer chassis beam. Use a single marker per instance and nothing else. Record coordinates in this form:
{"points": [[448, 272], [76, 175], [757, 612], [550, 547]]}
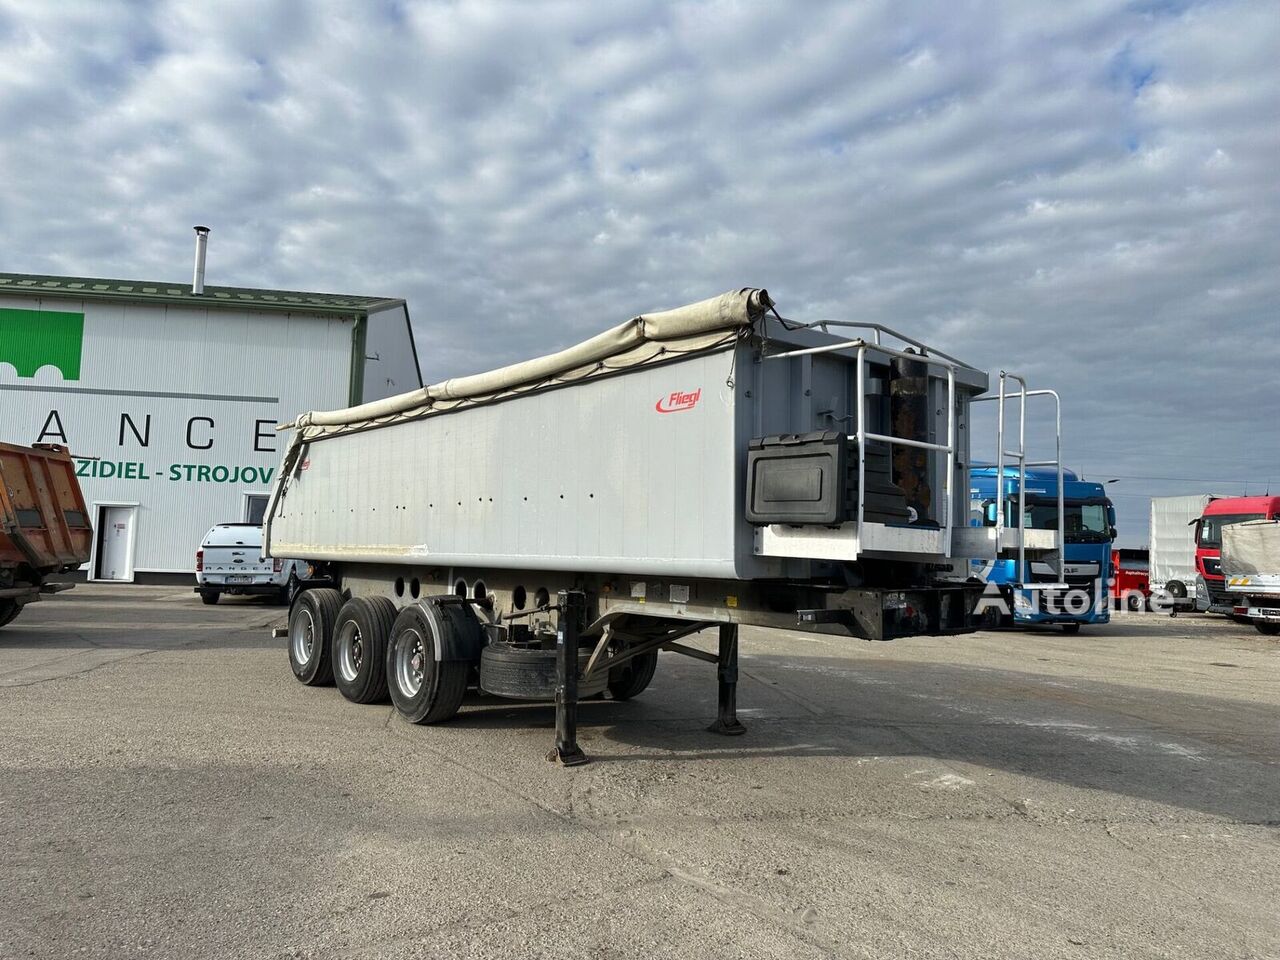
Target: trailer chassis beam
{"points": [[638, 645]]}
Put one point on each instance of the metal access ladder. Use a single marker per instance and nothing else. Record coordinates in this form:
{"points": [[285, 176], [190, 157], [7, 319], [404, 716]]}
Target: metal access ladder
{"points": [[1023, 539]]}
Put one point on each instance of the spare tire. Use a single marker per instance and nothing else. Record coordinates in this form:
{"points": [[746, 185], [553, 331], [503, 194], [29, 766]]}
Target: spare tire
{"points": [[529, 673]]}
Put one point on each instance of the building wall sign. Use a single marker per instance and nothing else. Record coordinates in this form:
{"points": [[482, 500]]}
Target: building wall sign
{"points": [[31, 339], [171, 407]]}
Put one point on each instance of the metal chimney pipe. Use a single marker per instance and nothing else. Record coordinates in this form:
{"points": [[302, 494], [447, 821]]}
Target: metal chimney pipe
{"points": [[202, 242]]}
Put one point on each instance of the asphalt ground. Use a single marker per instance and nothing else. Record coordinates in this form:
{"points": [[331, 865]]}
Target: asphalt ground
{"points": [[167, 789]]}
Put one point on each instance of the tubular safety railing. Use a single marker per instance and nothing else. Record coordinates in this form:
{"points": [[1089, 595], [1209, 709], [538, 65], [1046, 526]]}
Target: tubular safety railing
{"points": [[1020, 455], [863, 435]]}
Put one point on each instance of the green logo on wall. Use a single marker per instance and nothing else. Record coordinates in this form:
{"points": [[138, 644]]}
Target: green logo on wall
{"points": [[31, 339]]}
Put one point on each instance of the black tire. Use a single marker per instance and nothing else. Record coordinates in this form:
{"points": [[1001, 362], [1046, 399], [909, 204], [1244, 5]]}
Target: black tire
{"points": [[210, 597], [1176, 589], [290, 591], [8, 610], [529, 673], [1135, 603], [1071, 628], [359, 650], [311, 621], [423, 689], [1268, 629], [631, 678]]}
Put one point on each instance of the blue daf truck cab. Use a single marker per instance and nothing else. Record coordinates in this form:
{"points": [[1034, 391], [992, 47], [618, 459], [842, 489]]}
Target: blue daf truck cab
{"points": [[1089, 527]]}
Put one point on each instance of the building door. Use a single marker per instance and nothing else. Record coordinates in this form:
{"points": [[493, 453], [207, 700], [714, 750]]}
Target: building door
{"points": [[115, 543]]}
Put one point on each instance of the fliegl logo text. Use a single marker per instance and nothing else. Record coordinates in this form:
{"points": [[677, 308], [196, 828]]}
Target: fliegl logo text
{"points": [[677, 401]]}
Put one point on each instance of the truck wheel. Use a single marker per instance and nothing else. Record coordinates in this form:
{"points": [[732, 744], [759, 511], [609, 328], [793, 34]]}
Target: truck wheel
{"points": [[8, 610], [311, 622], [1270, 629], [630, 679], [423, 689], [529, 673], [360, 648], [1071, 628], [209, 597]]}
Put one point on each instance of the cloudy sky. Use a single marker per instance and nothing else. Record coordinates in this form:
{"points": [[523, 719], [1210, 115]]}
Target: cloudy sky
{"points": [[1086, 193]]}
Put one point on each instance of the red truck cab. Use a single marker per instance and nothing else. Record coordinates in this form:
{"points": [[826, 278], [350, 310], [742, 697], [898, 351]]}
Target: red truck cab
{"points": [[1218, 514], [1130, 578]]}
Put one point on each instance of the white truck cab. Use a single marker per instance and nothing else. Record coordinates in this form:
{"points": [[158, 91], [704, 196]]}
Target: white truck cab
{"points": [[230, 560]]}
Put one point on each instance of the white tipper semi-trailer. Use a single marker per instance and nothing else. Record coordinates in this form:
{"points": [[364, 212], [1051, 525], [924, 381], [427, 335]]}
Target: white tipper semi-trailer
{"points": [[706, 466]]}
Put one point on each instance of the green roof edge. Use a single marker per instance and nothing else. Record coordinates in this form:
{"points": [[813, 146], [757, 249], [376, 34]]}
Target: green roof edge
{"points": [[145, 291]]}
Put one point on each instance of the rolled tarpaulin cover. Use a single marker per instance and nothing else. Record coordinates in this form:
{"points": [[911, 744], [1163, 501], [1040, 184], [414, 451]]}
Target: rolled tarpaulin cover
{"points": [[735, 309]]}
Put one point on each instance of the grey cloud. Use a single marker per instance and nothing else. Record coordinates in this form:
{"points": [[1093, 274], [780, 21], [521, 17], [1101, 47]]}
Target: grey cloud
{"points": [[1083, 192]]}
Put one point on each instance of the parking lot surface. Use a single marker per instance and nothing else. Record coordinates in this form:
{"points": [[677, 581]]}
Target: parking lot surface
{"points": [[167, 789]]}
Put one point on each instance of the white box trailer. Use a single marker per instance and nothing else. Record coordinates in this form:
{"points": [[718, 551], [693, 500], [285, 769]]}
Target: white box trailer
{"points": [[1251, 567], [1173, 572], [705, 466]]}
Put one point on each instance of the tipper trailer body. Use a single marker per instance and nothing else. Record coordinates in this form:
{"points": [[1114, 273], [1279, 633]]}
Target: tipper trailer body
{"points": [[44, 526], [705, 466]]}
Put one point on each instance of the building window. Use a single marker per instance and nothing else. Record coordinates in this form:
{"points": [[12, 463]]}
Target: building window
{"points": [[255, 507]]}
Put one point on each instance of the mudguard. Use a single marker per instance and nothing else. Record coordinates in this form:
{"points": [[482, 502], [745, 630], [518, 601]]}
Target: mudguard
{"points": [[456, 631]]}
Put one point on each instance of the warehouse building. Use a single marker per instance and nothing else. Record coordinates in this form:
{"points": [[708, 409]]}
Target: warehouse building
{"points": [[169, 395]]}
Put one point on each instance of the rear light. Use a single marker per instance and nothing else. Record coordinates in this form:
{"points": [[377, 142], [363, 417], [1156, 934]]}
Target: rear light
{"points": [[277, 564], [199, 560]]}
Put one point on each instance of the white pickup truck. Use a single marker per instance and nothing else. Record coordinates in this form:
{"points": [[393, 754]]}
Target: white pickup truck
{"points": [[1251, 566], [230, 561]]}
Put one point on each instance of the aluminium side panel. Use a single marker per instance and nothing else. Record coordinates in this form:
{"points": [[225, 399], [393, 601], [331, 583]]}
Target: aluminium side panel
{"points": [[634, 473]]}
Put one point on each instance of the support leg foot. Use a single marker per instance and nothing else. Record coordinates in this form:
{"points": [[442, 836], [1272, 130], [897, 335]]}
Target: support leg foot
{"points": [[576, 758], [727, 674], [730, 728]]}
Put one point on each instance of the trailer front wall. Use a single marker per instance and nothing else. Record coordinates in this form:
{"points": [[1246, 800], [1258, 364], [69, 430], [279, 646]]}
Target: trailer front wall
{"points": [[634, 473]]}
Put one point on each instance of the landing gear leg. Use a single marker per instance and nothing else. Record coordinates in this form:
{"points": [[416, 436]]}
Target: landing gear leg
{"points": [[727, 674], [567, 753]]}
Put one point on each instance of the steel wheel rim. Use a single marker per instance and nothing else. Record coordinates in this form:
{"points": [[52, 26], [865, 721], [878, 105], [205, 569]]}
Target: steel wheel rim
{"points": [[411, 653], [350, 650], [302, 636]]}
